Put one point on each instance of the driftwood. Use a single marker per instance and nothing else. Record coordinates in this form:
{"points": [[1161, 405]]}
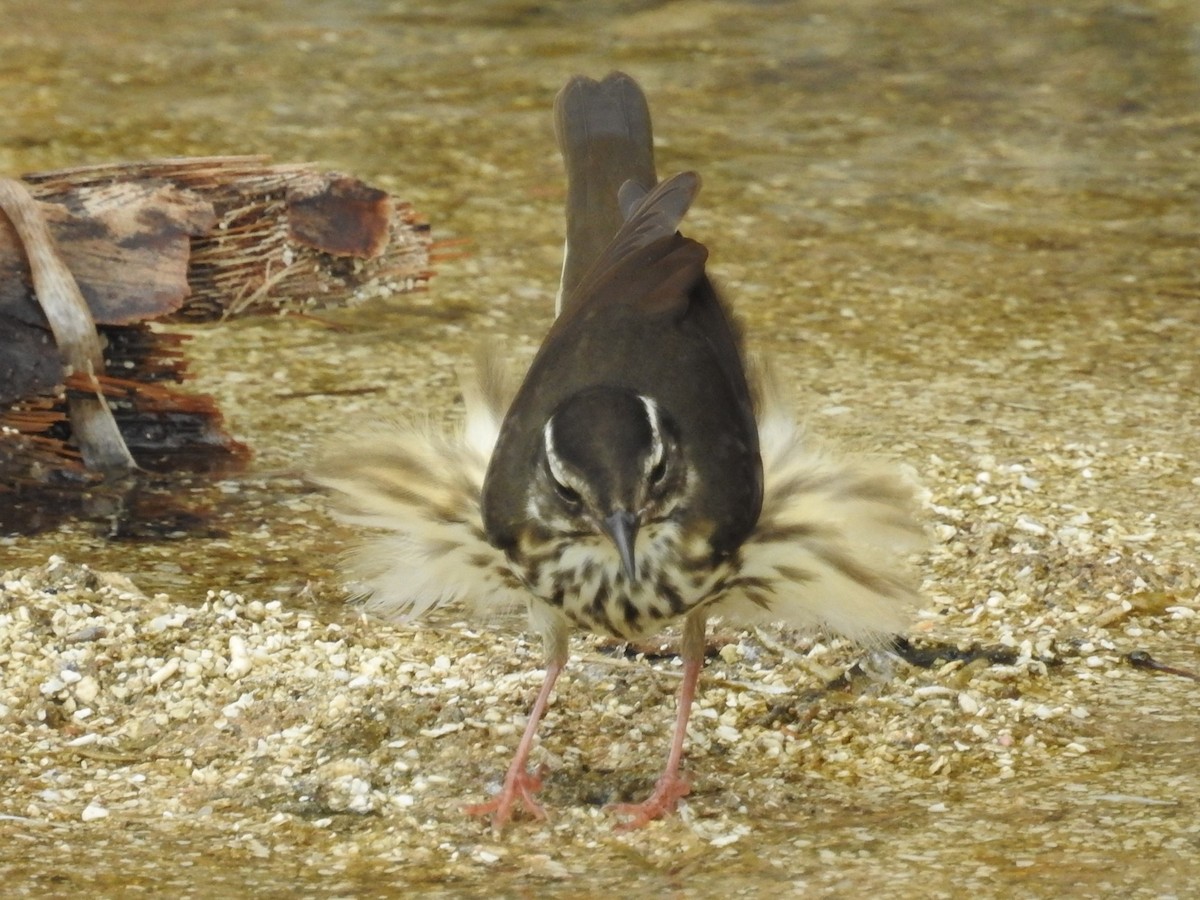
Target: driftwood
{"points": [[89, 255], [286, 237], [74, 330]]}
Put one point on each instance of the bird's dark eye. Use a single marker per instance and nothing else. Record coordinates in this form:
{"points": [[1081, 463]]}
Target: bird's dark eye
{"points": [[568, 495], [659, 472]]}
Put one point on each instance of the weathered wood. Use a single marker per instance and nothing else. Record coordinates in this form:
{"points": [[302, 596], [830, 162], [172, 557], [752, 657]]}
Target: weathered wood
{"points": [[287, 237], [92, 423], [189, 239]]}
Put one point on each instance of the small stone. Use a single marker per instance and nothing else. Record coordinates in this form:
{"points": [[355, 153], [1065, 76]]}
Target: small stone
{"points": [[165, 671], [87, 689], [93, 811], [240, 662]]}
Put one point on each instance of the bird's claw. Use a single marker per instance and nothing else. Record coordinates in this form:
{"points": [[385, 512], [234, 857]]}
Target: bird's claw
{"points": [[669, 790], [518, 785]]}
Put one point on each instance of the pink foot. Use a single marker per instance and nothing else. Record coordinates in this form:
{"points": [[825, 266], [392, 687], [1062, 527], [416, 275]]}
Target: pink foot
{"points": [[671, 788], [518, 780], [520, 784]]}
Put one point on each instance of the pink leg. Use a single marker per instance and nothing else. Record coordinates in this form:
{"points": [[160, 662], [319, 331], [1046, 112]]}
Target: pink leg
{"points": [[671, 786], [519, 781]]}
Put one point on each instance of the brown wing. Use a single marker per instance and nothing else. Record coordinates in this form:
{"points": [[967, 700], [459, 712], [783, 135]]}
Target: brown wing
{"points": [[644, 317]]}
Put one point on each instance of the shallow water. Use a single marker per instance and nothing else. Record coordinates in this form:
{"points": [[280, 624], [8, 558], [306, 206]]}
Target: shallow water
{"points": [[964, 231], [898, 199]]}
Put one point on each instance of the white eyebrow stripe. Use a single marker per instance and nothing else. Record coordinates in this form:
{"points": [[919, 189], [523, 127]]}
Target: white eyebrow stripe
{"points": [[556, 466], [657, 450]]}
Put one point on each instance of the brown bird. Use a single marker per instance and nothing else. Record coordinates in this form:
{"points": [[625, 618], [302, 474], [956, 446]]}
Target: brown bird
{"points": [[632, 482]]}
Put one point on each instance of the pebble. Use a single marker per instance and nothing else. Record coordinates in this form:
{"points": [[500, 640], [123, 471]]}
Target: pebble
{"points": [[164, 672], [403, 725], [92, 812], [240, 662]]}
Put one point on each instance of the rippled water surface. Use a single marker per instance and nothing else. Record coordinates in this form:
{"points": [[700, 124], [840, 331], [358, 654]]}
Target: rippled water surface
{"points": [[962, 229]]}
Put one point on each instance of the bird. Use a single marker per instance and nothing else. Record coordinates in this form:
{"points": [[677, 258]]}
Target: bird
{"points": [[644, 473]]}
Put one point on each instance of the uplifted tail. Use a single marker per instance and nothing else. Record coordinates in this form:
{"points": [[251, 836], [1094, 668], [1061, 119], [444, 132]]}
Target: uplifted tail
{"points": [[605, 137]]}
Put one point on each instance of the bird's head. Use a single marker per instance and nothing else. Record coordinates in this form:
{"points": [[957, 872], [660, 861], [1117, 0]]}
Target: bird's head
{"points": [[610, 462]]}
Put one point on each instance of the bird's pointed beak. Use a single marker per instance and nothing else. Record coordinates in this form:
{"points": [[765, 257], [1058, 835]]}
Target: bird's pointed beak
{"points": [[622, 527]]}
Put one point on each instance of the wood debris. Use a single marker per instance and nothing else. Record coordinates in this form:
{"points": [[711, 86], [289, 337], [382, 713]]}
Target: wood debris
{"points": [[89, 255]]}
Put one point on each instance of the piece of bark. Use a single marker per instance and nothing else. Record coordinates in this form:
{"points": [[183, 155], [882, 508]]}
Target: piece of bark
{"points": [[339, 215], [267, 252], [92, 423], [126, 246], [191, 239]]}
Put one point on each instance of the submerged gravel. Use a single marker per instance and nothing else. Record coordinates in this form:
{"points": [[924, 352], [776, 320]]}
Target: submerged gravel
{"points": [[965, 233], [349, 746]]}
